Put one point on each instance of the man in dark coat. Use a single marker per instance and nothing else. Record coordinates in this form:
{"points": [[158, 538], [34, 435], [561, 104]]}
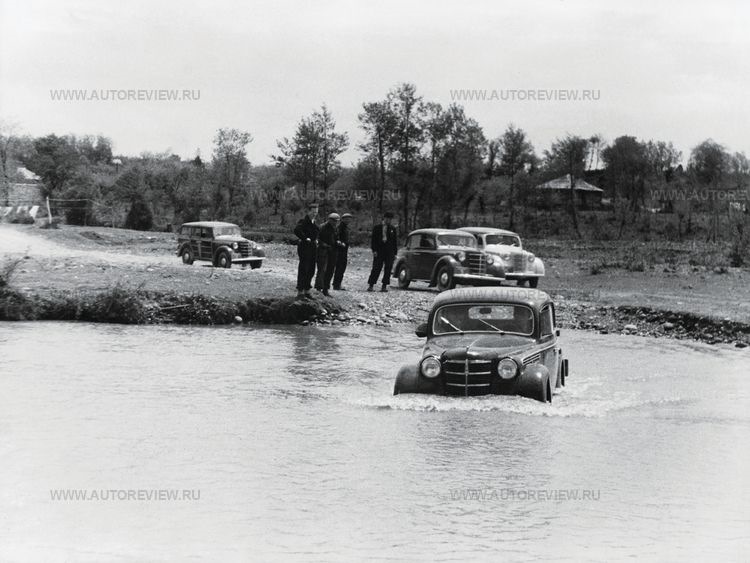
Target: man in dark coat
{"points": [[384, 244], [307, 235], [342, 253], [327, 245]]}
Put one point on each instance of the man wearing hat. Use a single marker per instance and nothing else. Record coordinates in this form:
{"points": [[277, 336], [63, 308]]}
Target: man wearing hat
{"points": [[307, 235], [327, 244], [384, 244], [342, 253]]}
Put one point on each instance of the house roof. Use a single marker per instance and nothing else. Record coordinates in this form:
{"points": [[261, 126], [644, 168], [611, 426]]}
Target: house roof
{"points": [[563, 183]]}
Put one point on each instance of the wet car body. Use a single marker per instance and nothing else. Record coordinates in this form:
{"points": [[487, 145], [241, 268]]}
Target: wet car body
{"points": [[220, 243], [514, 352], [506, 246]]}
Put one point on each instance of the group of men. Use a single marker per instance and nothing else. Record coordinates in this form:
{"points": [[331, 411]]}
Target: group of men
{"points": [[324, 251]]}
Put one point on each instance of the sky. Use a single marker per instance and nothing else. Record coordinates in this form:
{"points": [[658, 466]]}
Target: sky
{"points": [[673, 71]]}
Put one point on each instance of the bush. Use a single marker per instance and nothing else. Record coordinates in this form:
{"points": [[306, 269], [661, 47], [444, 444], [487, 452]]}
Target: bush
{"points": [[139, 217]]}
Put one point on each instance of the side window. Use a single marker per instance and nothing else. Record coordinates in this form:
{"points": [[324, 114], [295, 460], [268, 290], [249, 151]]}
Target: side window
{"points": [[546, 322], [480, 242], [205, 232], [426, 242], [412, 242]]}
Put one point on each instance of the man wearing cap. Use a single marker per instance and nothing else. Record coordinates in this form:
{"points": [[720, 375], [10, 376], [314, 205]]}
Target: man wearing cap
{"points": [[384, 244], [342, 252], [327, 244], [307, 235]]}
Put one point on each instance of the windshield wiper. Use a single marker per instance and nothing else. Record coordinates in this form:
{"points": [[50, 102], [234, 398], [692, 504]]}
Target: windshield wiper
{"points": [[493, 327], [446, 321]]}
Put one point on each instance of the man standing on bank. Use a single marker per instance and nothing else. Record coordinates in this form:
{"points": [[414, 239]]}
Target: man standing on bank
{"points": [[342, 253], [307, 235], [384, 246], [327, 245]]}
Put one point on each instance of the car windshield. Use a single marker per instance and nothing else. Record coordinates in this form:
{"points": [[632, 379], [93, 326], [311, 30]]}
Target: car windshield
{"points": [[508, 240], [491, 317], [232, 230], [456, 240]]}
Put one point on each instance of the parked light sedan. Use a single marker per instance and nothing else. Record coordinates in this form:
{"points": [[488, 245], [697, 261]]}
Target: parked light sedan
{"points": [[488, 341], [518, 264]]}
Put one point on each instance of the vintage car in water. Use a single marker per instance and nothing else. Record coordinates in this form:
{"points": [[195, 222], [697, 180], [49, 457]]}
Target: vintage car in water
{"points": [[518, 264], [488, 341], [445, 258], [220, 243]]}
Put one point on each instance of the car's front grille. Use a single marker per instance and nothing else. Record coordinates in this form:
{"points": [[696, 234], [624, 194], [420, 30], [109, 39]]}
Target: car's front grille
{"points": [[244, 248], [477, 263], [467, 377], [517, 263]]}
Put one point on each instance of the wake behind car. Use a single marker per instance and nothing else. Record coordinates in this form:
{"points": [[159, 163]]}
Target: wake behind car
{"points": [[220, 243], [488, 341], [445, 258], [506, 247]]}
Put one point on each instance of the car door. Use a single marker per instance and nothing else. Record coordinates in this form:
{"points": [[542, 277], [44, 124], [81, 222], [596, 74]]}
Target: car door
{"points": [[424, 256], [206, 240], [548, 339]]}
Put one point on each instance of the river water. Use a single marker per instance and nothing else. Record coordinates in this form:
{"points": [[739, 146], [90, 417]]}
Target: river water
{"points": [[288, 445]]}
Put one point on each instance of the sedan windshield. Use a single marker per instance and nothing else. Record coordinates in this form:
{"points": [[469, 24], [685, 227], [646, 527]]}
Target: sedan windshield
{"points": [[508, 240], [233, 230], [491, 317], [457, 240]]}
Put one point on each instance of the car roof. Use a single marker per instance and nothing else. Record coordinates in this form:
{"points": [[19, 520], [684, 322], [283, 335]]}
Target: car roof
{"points": [[208, 224], [487, 231], [437, 232], [518, 295]]}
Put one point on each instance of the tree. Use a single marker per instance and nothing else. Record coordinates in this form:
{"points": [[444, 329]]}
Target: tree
{"points": [[230, 165], [710, 166], [568, 155], [8, 144], [516, 153], [378, 120], [55, 160]]}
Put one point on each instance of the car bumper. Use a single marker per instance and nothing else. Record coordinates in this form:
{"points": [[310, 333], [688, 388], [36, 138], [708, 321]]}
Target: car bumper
{"points": [[523, 275], [246, 259], [477, 277]]}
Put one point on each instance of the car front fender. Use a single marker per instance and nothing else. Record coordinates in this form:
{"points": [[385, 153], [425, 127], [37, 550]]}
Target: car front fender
{"points": [[538, 267], [452, 262], [409, 380], [534, 382]]}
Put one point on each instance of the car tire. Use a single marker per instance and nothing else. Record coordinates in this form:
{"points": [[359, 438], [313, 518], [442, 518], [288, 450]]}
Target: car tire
{"points": [[445, 278], [533, 282], [187, 256], [223, 259], [255, 265], [402, 274]]}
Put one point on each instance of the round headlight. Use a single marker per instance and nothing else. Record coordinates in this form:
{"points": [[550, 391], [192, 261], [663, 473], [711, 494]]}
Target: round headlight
{"points": [[531, 257], [505, 256], [235, 246], [507, 368], [490, 260], [461, 256], [430, 367]]}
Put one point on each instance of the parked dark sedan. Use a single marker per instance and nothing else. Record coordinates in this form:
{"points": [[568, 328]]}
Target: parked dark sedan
{"points": [[445, 258], [488, 341]]}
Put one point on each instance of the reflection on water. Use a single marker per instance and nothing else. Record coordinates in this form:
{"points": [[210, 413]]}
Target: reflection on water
{"points": [[300, 451]]}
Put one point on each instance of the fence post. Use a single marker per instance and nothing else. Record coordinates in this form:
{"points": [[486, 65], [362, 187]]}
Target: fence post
{"points": [[49, 213]]}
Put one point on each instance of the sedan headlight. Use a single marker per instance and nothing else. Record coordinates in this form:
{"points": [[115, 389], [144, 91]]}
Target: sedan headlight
{"points": [[430, 367], [490, 260], [531, 258], [507, 368], [235, 246], [461, 256]]}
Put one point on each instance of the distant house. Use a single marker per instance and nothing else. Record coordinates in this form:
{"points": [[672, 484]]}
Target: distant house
{"points": [[23, 197], [587, 195]]}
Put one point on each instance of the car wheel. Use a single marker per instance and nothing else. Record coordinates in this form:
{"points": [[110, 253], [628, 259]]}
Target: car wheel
{"points": [[404, 279], [255, 265], [445, 278], [533, 282], [187, 256], [223, 260]]}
